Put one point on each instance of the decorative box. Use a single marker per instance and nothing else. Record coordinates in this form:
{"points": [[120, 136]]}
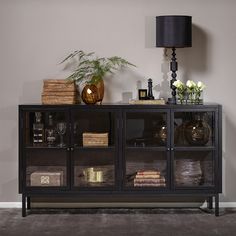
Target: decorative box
{"points": [[46, 178], [95, 139]]}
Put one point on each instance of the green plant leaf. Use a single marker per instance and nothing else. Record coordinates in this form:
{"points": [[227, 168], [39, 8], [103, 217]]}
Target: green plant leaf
{"points": [[94, 69]]}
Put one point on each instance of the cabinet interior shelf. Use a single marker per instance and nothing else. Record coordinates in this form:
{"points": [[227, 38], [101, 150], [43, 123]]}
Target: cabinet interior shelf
{"points": [[195, 148], [94, 148], [45, 147], [146, 148]]}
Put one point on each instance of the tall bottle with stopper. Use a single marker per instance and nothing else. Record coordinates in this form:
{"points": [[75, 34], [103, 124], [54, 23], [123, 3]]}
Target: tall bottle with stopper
{"points": [[38, 130]]}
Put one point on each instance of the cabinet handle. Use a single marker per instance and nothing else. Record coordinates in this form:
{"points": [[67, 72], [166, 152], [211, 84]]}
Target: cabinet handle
{"points": [[168, 149], [68, 149], [172, 149], [72, 149]]}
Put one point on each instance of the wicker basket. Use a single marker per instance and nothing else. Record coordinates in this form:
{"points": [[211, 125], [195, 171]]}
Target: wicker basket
{"points": [[59, 92], [95, 139]]}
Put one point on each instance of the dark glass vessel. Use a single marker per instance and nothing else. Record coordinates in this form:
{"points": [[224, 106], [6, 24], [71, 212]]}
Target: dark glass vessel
{"points": [[197, 131]]}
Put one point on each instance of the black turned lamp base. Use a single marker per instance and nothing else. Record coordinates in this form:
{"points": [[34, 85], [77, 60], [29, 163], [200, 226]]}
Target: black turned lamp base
{"points": [[171, 101]]}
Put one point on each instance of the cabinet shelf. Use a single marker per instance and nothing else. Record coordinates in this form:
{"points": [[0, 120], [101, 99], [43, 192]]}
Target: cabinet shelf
{"points": [[44, 148], [195, 148], [146, 148], [153, 189], [94, 148]]}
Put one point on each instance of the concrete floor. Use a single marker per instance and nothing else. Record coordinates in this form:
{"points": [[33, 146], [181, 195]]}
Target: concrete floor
{"points": [[158, 222]]}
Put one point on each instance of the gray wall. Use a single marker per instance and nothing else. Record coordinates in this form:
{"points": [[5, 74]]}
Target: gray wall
{"points": [[36, 35]]}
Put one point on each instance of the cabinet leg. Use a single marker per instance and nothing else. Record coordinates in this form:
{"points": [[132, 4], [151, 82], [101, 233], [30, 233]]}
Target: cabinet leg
{"points": [[28, 203], [23, 205], [217, 205], [210, 203]]}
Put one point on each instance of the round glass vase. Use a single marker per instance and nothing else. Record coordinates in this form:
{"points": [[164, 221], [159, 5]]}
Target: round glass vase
{"points": [[190, 97], [181, 98], [197, 131], [198, 98], [160, 134]]}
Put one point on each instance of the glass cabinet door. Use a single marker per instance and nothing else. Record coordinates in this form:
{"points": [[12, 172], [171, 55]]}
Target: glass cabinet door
{"points": [[194, 155], [45, 140], [194, 128], [146, 156], [94, 168], [194, 169], [46, 168], [94, 141], [146, 169], [146, 129]]}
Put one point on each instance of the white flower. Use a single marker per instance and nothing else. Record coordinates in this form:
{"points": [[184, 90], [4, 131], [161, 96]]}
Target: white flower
{"points": [[178, 84], [190, 84], [200, 85]]}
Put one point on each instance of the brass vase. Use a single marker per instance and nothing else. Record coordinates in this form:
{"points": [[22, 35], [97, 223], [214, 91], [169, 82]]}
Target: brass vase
{"points": [[100, 90], [90, 94], [93, 93]]}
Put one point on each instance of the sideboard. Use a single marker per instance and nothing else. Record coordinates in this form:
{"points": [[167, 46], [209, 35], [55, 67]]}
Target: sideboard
{"points": [[120, 150]]}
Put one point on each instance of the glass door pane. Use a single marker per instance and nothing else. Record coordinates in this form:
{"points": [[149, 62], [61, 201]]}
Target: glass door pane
{"points": [[93, 128], [45, 140], [146, 168], [94, 168], [45, 129], [193, 168], [46, 168], [194, 128], [146, 129]]}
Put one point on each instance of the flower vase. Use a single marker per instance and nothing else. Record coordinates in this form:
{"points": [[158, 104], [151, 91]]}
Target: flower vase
{"points": [[198, 98], [181, 98], [190, 98], [181, 101]]}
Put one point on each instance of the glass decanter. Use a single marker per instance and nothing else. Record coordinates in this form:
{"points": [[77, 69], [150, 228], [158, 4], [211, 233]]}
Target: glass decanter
{"points": [[38, 130]]}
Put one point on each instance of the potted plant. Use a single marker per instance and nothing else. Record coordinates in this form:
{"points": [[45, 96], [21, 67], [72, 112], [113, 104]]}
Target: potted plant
{"points": [[92, 70]]}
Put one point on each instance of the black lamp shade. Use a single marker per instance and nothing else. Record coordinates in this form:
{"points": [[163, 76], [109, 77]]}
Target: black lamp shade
{"points": [[174, 31]]}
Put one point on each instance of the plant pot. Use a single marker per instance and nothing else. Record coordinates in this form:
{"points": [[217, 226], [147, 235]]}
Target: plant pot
{"points": [[100, 90], [90, 94]]}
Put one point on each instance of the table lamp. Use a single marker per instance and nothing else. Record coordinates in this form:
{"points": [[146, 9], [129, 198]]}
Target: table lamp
{"points": [[173, 31]]}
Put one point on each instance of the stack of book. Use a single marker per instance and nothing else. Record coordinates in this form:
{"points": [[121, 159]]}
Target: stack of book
{"points": [[149, 178], [59, 91]]}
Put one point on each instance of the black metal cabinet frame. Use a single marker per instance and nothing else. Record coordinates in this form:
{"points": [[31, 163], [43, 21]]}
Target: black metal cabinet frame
{"points": [[119, 148]]}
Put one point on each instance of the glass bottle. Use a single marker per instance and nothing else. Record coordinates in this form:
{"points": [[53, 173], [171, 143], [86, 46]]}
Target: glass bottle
{"points": [[38, 130], [50, 132], [197, 131]]}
